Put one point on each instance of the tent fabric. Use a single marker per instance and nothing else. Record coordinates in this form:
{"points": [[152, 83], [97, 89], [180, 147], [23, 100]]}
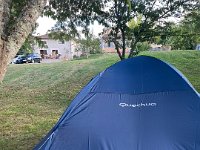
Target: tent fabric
{"points": [[140, 103]]}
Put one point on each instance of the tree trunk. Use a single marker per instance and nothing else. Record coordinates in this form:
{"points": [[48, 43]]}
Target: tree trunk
{"points": [[3, 60], [133, 48], [123, 44], [12, 40], [117, 43], [118, 51]]}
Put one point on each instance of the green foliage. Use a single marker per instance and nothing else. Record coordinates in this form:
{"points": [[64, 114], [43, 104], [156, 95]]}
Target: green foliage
{"points": [[90, 45], [184, 42], [185, 35], [27, 47], [61, 32], [129, 20], [142, 46], [134, 23], [15, 11], [73, 13]]}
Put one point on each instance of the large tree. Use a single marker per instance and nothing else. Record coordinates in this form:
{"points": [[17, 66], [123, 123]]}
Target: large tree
{"points": [[187, 34], [184, 35], [116, 15], [17, 21], [141, 20]]}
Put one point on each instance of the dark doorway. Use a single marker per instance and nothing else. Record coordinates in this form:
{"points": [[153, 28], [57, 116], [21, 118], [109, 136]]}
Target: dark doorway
{"points": [[43, 53]]}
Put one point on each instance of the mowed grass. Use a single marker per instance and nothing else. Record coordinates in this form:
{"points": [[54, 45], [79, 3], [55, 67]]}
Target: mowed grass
{"points": [[33, 96]]}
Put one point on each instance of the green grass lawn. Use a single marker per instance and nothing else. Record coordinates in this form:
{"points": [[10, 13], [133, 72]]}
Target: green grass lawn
{"points": [[33, 96]]}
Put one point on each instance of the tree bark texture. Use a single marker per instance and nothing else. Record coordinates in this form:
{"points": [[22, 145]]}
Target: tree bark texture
{"points": [[12, 42], [117, 43], [123, 44]]}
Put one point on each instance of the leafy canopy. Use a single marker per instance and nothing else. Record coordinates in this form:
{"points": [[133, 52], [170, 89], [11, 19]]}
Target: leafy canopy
{"points": [[130, 21]]}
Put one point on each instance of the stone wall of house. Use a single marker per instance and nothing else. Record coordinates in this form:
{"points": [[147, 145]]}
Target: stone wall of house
{"points": [[56, 49]]}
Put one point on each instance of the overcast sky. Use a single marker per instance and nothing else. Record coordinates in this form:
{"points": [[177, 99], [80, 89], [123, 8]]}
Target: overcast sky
{"points": [[46, 23]]}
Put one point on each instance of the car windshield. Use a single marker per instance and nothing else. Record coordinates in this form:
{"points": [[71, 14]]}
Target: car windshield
{"points": [[35, 55]]}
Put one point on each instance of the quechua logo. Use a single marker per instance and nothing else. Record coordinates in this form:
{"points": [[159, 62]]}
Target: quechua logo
{"points": [[137, 105]]}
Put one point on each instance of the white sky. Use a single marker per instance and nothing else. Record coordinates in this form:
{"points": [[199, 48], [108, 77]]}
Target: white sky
{"points": [[46, 24]]}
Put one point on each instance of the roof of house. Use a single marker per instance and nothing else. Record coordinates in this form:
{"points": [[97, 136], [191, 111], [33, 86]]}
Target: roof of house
{"points": [[45, 36]]}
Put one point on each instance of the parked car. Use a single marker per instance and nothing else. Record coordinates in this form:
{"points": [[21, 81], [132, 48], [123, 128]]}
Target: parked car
{"points": [[33, 58], [198, 47], [15, 59], [19, 59]]}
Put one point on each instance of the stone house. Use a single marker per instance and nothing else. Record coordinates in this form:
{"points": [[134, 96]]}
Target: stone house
{"points": [[55, 49]]}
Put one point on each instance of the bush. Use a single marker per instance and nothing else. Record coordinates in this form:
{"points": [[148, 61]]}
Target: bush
{"points": [[75, 57], [142, 46], [90, 45]]}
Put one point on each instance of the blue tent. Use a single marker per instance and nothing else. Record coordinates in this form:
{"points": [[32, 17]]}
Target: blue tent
{"points": [[137, 104]]}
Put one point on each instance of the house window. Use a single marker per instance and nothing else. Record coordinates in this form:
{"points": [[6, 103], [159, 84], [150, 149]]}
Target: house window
{"points": [[61, 42], [43, 53], [55, 54]]}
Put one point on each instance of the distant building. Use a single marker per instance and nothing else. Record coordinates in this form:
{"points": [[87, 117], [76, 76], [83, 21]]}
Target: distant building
{"points": [[106, 45], [55, 49], [109, 47]]}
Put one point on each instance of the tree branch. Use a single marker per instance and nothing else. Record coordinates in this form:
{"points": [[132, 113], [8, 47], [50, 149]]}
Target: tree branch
{"points": [[133, 45], [117, 47], [4, 15], [123, 43], [24, 26]]}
